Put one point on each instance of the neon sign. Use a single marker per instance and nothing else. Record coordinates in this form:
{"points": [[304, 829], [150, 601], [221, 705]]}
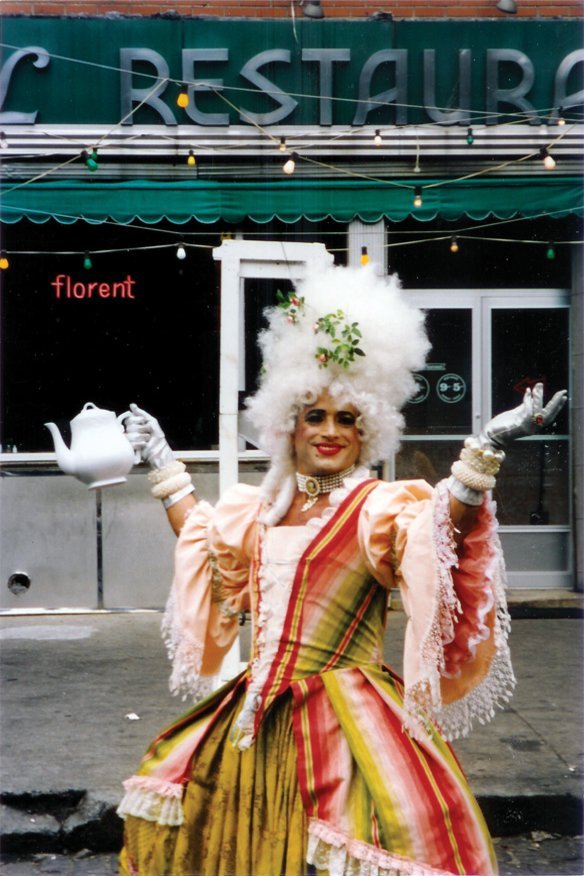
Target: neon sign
{"points": [[67, 288]]}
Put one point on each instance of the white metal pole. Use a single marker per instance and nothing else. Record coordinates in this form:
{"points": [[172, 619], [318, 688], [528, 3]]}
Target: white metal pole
{"points": [[229, 372]]}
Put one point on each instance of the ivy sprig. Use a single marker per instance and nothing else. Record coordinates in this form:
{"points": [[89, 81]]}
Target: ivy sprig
{"points": [[344, 337]]}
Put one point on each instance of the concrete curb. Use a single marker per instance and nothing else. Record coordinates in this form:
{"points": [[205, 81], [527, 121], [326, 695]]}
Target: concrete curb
{"points": [[70, 821], [63, 821]]}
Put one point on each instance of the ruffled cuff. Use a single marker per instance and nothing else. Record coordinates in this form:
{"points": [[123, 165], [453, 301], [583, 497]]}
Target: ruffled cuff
{"points": [[153, 800]]}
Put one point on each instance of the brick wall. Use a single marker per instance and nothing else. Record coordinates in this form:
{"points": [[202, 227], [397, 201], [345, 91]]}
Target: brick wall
{"points": [[281, 8]]}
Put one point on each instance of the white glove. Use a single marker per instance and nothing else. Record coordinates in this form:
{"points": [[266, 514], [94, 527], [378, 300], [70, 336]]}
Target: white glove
{"points": [[147, 438], [526, 419]]}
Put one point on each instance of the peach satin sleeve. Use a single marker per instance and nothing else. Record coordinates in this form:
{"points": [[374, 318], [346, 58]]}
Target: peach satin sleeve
{"points": [[209, 588], [385, 515], [456, 660]]}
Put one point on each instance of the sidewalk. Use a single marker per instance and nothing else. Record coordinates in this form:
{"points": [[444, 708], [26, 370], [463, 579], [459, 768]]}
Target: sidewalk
{"points": [[83, 695]]}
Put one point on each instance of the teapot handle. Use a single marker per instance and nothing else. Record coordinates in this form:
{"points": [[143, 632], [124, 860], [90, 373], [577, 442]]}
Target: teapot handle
{"points": [[120, 419]]}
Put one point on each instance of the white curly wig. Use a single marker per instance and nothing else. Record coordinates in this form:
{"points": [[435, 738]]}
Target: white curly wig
{"points": [[378, 384]]}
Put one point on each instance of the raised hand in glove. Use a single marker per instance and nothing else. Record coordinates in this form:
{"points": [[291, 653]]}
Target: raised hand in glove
{"points": [[526, 419], [147, 438], [482, 455]]}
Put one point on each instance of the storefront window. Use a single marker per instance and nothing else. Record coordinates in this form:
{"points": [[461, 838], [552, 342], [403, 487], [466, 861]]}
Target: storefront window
{"points": [[138, 325], [528, 345]]}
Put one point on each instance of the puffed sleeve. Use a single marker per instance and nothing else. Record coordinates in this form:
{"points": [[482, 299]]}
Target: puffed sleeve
{"points": [[387, 512], [209, 588], [456, 659]]}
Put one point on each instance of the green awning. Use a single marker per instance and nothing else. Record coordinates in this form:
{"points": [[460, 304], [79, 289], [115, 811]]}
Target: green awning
{"points": [[209, 201]]}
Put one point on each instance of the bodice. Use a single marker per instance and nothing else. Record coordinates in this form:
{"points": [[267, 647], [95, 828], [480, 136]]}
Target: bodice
{"points": [[315, 606]]}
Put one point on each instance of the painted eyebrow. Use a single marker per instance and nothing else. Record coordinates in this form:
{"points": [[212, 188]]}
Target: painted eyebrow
{"points": [[337, 413]]}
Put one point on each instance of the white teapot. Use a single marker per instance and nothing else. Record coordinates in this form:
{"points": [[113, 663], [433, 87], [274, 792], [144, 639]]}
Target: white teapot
{"points": [[100, 453]]}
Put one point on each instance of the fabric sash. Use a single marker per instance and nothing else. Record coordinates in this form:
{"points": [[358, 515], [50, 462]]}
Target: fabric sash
{"points": [[313, 564]]}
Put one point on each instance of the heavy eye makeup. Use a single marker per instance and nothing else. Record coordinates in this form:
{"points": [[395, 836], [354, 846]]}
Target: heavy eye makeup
{"points": [[343, 418]]}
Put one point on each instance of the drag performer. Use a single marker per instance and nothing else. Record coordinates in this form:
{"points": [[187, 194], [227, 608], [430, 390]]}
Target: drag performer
{"points": [[318, 758]]}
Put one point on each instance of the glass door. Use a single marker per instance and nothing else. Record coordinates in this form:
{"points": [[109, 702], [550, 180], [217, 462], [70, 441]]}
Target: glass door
{"points": [[487, 348]]}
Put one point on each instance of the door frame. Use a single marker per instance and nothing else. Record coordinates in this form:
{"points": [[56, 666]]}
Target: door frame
{"points": [[241, 260]]}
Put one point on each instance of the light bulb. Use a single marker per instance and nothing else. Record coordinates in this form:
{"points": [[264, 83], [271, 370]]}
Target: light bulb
{"points": [[4, 263], [183, 98], [470, 137], [364, 255], [290, 166], [418, 196], [181, 252], [282, 147], [550, 252], [454, 245], [3, 140], [87, 263], [191, 160], [549, 161], [560, 120], [377, 139], [90, 159]]}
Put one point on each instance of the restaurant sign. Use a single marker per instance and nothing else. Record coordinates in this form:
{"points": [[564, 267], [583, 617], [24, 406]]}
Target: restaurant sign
{"points": [[129, 71]]}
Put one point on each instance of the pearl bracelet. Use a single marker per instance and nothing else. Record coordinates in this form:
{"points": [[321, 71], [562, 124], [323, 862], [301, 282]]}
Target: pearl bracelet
{"points": [[475, 471], [482, 458], [157, 475], [171, 485]]}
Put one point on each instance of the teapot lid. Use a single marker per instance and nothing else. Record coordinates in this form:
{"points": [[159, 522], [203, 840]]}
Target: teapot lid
{"points": [[91, 411]]}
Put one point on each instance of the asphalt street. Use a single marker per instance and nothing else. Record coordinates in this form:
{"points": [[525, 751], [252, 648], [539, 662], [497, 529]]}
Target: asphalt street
{"points": [[83, 695]]}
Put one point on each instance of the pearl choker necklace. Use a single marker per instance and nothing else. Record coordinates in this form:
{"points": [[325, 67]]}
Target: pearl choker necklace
{"points": [[315, 485]]}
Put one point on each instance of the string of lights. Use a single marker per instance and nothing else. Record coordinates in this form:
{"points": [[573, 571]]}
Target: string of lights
{"points": [[549, 163], [182, 246], [439, 236]]}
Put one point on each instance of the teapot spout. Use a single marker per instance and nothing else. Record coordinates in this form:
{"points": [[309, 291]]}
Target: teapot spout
{"points": [[64, 454]]}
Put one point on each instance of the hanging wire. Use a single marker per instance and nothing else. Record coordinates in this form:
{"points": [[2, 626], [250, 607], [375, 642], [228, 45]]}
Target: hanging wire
{"points": [[180, 244]]}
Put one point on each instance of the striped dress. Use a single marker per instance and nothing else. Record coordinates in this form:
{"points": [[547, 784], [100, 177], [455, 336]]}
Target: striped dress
{"points": [[318, 757]]}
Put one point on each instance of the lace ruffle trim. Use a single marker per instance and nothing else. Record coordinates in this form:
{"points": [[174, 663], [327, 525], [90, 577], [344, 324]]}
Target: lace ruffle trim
{"points": [[329, 849], [423, 700], [445, 613], [186, 655], [477, 629], [152, 800]]}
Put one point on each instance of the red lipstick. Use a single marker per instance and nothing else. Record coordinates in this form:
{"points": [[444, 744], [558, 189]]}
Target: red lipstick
{"points": [[328, 449]]}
